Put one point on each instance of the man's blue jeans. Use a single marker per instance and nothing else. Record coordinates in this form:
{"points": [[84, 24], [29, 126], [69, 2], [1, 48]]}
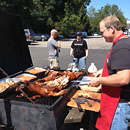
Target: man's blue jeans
{"points": [[80, 62], [121, 117]]}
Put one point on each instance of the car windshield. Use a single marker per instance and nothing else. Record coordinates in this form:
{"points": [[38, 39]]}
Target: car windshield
{"points": [[32, 33], [26, 32]]}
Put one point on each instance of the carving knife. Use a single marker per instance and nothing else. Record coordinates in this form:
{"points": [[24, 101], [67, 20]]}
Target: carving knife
{"points": [[86, 100], [78, 102]]}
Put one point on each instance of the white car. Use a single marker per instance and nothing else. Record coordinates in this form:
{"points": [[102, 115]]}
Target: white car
{"points": [[95, 34]]}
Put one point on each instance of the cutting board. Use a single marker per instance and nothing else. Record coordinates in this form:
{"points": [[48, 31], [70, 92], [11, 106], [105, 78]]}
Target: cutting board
{"points": [[95, 105]]}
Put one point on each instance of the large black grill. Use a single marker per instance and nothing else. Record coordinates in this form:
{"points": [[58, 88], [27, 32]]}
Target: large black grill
{"points": [[17, 109]]}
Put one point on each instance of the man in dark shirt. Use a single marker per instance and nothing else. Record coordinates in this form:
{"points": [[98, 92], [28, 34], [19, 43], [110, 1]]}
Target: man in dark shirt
{"points": [[79, 51], [115, 78]]}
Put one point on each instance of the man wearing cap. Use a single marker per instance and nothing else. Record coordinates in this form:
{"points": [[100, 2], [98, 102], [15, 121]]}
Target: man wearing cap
{"points": [[79, 51]]}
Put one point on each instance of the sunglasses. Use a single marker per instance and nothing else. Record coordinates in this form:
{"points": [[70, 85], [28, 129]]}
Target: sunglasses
{"points": [[105, 30]]}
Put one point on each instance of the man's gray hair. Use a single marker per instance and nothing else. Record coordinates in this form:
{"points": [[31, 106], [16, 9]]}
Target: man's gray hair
{"points": [[112, 21], [54, 31]]}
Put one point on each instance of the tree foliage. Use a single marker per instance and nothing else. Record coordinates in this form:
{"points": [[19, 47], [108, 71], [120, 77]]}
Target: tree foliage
{"points": [[67, 16], [42, 15], [96, 16]]}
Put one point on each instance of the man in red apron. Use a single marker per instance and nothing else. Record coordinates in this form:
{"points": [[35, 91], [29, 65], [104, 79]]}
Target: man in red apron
{"points": [[115, 79]]}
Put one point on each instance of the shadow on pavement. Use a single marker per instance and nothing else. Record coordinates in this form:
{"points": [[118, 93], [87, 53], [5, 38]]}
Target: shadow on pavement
{"points": [[94, 37], [34, 44], [67, 39]]}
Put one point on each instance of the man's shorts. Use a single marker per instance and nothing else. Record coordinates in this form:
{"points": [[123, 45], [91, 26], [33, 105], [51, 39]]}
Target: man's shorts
{"points": [[54, 62]]}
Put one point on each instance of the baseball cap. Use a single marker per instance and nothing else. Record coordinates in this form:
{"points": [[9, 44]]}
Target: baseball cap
{"points": [[79, 34]]}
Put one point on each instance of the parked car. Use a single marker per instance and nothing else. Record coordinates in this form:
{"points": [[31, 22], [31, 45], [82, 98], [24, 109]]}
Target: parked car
{"points": [[84, 34], [60, 36], [95, 34], [47, 36], [30, 35], [39, 37], [72, 35]]}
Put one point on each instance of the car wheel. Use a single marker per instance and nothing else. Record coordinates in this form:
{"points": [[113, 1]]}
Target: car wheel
{"points": [[28, 43]]}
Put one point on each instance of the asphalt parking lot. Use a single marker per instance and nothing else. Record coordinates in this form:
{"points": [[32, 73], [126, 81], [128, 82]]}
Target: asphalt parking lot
{"points": [[98, 49]]}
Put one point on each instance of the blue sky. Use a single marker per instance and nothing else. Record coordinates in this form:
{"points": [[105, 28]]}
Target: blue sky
{"points": [[123, 5]]}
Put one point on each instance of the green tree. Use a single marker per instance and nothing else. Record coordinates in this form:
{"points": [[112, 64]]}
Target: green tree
{"points": [[96, 16], [43, 15], [74, 18], [92, 16]]}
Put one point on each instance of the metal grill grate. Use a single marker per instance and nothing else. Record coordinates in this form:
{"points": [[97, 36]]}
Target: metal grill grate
{"points": [[42, 100]]}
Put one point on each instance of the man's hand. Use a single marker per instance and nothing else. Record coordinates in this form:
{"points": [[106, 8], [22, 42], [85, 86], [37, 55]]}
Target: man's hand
{"points": [[72, 56], [94, 82], [99, 73]]}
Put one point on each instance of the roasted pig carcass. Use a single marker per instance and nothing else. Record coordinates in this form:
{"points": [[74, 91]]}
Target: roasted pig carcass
{"points": [[45, 91], [56, 74], [49, 88], [51, 76], [73, 75], [54, 86]]}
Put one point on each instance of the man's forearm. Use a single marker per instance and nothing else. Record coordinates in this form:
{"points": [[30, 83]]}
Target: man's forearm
{"points": [[121, 78], [116, 80], [87, 53], [59, 44], [71, 52]]}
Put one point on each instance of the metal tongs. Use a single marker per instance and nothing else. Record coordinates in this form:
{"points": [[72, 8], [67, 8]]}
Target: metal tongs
{"points": [[84, 81], [80, 83]]}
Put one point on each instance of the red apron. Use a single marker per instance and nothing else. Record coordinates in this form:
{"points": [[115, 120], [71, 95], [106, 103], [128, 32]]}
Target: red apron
{"points": [[110, 97]]}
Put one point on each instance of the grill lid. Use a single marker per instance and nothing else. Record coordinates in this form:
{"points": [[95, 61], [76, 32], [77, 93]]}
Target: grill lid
{"points": [[14, 51]]}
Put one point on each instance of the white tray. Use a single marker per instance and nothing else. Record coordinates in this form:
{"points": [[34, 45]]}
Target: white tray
{"points": [[89, 88]]}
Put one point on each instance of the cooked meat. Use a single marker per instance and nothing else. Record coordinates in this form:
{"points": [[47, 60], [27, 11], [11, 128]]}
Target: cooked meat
{"points": [[52, 85], [5, 85]]}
